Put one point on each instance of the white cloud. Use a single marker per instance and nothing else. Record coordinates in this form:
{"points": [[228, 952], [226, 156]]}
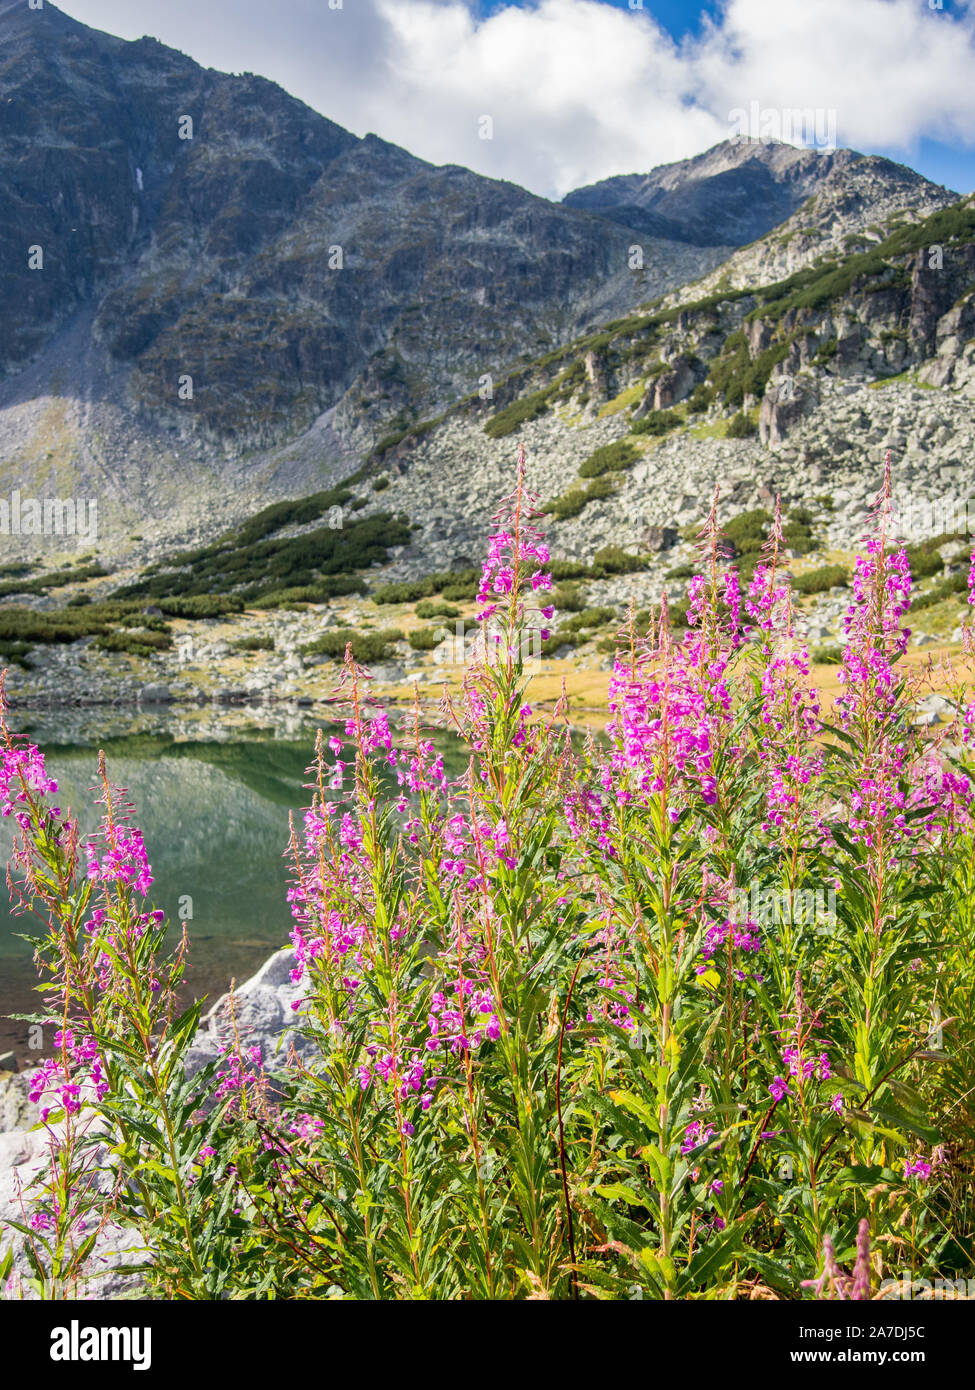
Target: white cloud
{"points": [[577, 89], [894, 70]]}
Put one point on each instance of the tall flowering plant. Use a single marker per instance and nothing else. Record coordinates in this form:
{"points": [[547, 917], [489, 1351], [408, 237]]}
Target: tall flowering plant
{"points": [[429, 973], [550, 1039], [112, 1098]]}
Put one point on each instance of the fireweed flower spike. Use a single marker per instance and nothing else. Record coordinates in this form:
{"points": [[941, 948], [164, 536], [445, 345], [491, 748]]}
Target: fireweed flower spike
{"points": [[512, 575], [871, 709]]}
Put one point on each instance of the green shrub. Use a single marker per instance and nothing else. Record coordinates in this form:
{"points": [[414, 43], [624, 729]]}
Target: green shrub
{"points": [[568, 569], [656, 422], [78, 575], [367, 647], [138, 643], [550, 645], [613, 559], [17, 653], [254, 644], [949, 588], [70, 624], [739, 427], [747, 530], [600, 488], [202, 605], [567, 598], [281, 514], [819, 580], [456, 586], [518, 413], [332, 586], [827, 656], [611, 458], [408, 591], [735, 375], [426, 609], [699, 399], [568, 505], [325, 556], [424, 639], [58, 579], [464, 591], [588, 618], [572, 503], [925, 561], [414, 431], [389, 441]]}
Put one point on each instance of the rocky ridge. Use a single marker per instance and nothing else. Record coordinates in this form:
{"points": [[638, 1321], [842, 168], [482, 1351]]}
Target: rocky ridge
{"points": [[853, 207], [732, 194]]}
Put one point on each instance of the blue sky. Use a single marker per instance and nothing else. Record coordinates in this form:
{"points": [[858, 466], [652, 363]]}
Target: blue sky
{"points": [[577, 90], [678, 17]]}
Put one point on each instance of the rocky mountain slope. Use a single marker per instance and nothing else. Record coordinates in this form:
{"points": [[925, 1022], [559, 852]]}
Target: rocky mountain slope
{"points": [[197, 267], [776, 360], [853, 208], [738, 191], [796, 388], [250, 311]]}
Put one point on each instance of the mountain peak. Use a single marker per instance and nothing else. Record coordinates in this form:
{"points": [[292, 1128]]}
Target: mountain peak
{"points": [[16, 18], [732, 194]]}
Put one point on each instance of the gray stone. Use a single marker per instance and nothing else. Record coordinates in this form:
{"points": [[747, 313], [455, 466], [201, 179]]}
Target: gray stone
{"points": [[657, 538], [155, 695]]}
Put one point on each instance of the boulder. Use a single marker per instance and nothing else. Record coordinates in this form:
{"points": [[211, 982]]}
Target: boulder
{"points": [[787, 399], [657, 538], [673, 385], [596, 377], [155, 695], [263, 1012]]}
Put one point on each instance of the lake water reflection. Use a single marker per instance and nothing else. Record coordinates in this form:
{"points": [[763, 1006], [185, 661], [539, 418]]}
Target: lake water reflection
{"points": [[212, 791]]}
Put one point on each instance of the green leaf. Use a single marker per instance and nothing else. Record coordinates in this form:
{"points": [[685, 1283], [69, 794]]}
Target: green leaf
{"points": [[708, 1263], [619, 1192]]}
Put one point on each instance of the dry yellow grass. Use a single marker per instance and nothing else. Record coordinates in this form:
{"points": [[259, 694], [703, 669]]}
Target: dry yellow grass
{"points": [[933, 669]]}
